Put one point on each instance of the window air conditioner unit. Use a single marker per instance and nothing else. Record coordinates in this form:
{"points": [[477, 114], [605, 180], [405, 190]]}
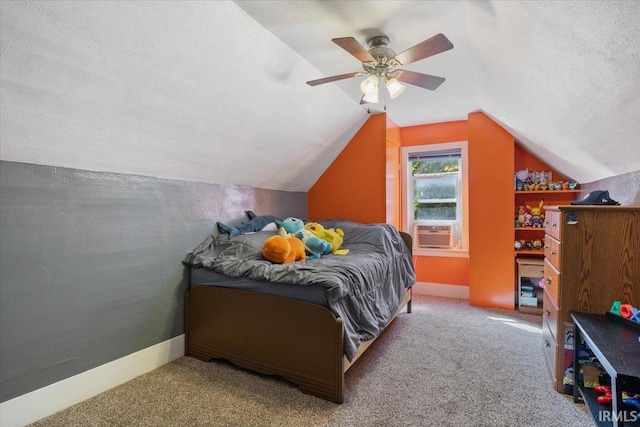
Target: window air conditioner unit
{"points": [[433, 236]]}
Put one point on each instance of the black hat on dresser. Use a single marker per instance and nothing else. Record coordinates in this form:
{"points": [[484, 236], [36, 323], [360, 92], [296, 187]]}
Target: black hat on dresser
{"points": [[596, 197]]}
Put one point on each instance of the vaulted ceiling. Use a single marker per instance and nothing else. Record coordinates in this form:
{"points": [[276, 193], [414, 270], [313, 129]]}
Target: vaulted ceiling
{"points": [[215, 91]]}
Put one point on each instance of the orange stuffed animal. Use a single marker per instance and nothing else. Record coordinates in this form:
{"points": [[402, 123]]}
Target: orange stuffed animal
{"points": [[283, 250]]}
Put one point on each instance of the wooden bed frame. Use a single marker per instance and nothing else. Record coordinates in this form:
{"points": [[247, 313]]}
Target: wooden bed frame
{"points": [[299, 341]]}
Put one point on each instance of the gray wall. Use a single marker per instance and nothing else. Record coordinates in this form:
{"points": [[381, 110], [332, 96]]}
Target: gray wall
{"points": [[90, 263], [622, 188]]}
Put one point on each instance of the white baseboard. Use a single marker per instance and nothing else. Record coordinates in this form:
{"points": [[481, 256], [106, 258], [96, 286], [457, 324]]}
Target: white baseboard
{"points": [[435, 289], [53, 398]]}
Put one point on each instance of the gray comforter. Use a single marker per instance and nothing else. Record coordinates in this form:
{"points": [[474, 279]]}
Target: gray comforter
{"points": [[364, 287]]}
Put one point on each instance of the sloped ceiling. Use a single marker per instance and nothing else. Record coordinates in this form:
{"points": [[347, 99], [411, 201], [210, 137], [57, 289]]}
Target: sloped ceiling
{"points": [[561, 76], [215, 91]]}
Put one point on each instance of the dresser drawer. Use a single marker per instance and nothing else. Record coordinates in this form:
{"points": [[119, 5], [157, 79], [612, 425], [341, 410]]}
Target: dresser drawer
{"points": [[552, 250], [549, 347], [551, 281], [550, 313], [552, 223]]}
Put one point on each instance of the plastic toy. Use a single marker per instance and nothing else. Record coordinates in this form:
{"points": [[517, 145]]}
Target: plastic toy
{"points": [[522, 175], [537, 244], [520, 217], [615, 308], [626, 311], [631, 400], [536, 214], [606, 397]]}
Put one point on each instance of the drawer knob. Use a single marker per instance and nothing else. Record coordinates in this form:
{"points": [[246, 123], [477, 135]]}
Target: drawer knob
{"points": [[549, 281], [553, 253], [548, 313], [553, 224], [546, 343]]}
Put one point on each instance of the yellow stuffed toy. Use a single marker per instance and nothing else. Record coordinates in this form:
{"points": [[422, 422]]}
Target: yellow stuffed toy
{"points": [[283, 250], [335, 237]]}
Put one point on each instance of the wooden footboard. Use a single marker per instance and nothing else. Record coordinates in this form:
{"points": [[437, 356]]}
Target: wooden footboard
{"points": [[296, 340], [299, 341]]}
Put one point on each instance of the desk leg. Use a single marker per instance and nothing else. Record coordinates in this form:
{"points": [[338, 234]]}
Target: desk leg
{"points": [[616, 400], [576, 366]]}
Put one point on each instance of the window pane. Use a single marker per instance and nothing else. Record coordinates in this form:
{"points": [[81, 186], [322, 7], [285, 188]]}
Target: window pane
{"points": [[435, 188], [435, 166], [435, 211]]}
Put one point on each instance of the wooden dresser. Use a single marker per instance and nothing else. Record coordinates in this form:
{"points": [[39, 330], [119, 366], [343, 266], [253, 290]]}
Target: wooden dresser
{"points": [[592, 258]]}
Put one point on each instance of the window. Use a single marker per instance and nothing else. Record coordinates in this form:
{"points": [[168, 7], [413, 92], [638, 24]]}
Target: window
{"points": [[435, 193]]}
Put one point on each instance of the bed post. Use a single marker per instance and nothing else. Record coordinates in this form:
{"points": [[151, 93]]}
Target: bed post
{"points": [[408, 240]]}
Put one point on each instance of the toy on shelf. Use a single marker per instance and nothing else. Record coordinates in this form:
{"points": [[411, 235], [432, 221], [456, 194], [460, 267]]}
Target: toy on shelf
{"points": [[627, 399], [605, 392], [626, 311], [527, 216], [537, 215], [537, 244], [522, 210], [526, 180], [533, 244], [606, 396]]}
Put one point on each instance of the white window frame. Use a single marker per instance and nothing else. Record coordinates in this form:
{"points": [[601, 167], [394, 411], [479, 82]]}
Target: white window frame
{"points": [[462, 250]]}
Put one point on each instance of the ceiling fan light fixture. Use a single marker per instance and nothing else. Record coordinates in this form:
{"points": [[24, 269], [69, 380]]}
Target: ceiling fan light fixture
{"points": [[370, 85], [394, 87], [371, 97]]}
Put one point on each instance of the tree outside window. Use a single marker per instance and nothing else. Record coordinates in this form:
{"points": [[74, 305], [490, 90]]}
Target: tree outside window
{"points": [[436, 189]]}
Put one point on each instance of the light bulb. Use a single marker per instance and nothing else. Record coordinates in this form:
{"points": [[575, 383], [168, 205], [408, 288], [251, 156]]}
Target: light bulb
{"points": [[394, 87], [370, 85], [371, 97]]}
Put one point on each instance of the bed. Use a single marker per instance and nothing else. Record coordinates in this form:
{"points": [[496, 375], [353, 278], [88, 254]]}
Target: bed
{"points": [[306, 322]]}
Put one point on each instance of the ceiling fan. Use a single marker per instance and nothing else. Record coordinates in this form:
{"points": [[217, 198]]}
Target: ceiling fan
{"points": [[381, 63]]}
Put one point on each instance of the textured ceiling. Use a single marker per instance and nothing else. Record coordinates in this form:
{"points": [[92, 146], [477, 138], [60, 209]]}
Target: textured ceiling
{"points": [[562, 76], [215, 91]]}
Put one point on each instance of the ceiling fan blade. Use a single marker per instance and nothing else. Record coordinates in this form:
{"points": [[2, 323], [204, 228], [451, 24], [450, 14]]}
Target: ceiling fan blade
{"points": [[352, 46], [333, 78], [436, 44], [423, 80]]}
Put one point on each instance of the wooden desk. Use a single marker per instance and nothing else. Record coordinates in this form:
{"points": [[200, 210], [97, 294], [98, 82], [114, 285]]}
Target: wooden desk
{"points": [[617, 348]]}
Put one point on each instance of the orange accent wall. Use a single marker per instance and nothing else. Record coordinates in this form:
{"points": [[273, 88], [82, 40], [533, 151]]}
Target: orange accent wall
{"points": [[440, 270], [525, 160], [491, 204], [353, 186], [359, 185], [434, 133], [393, 132], [392, 171]]}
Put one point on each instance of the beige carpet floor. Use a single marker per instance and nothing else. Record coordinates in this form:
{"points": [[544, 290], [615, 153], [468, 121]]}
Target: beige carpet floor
{"points": [[445, 364]]}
